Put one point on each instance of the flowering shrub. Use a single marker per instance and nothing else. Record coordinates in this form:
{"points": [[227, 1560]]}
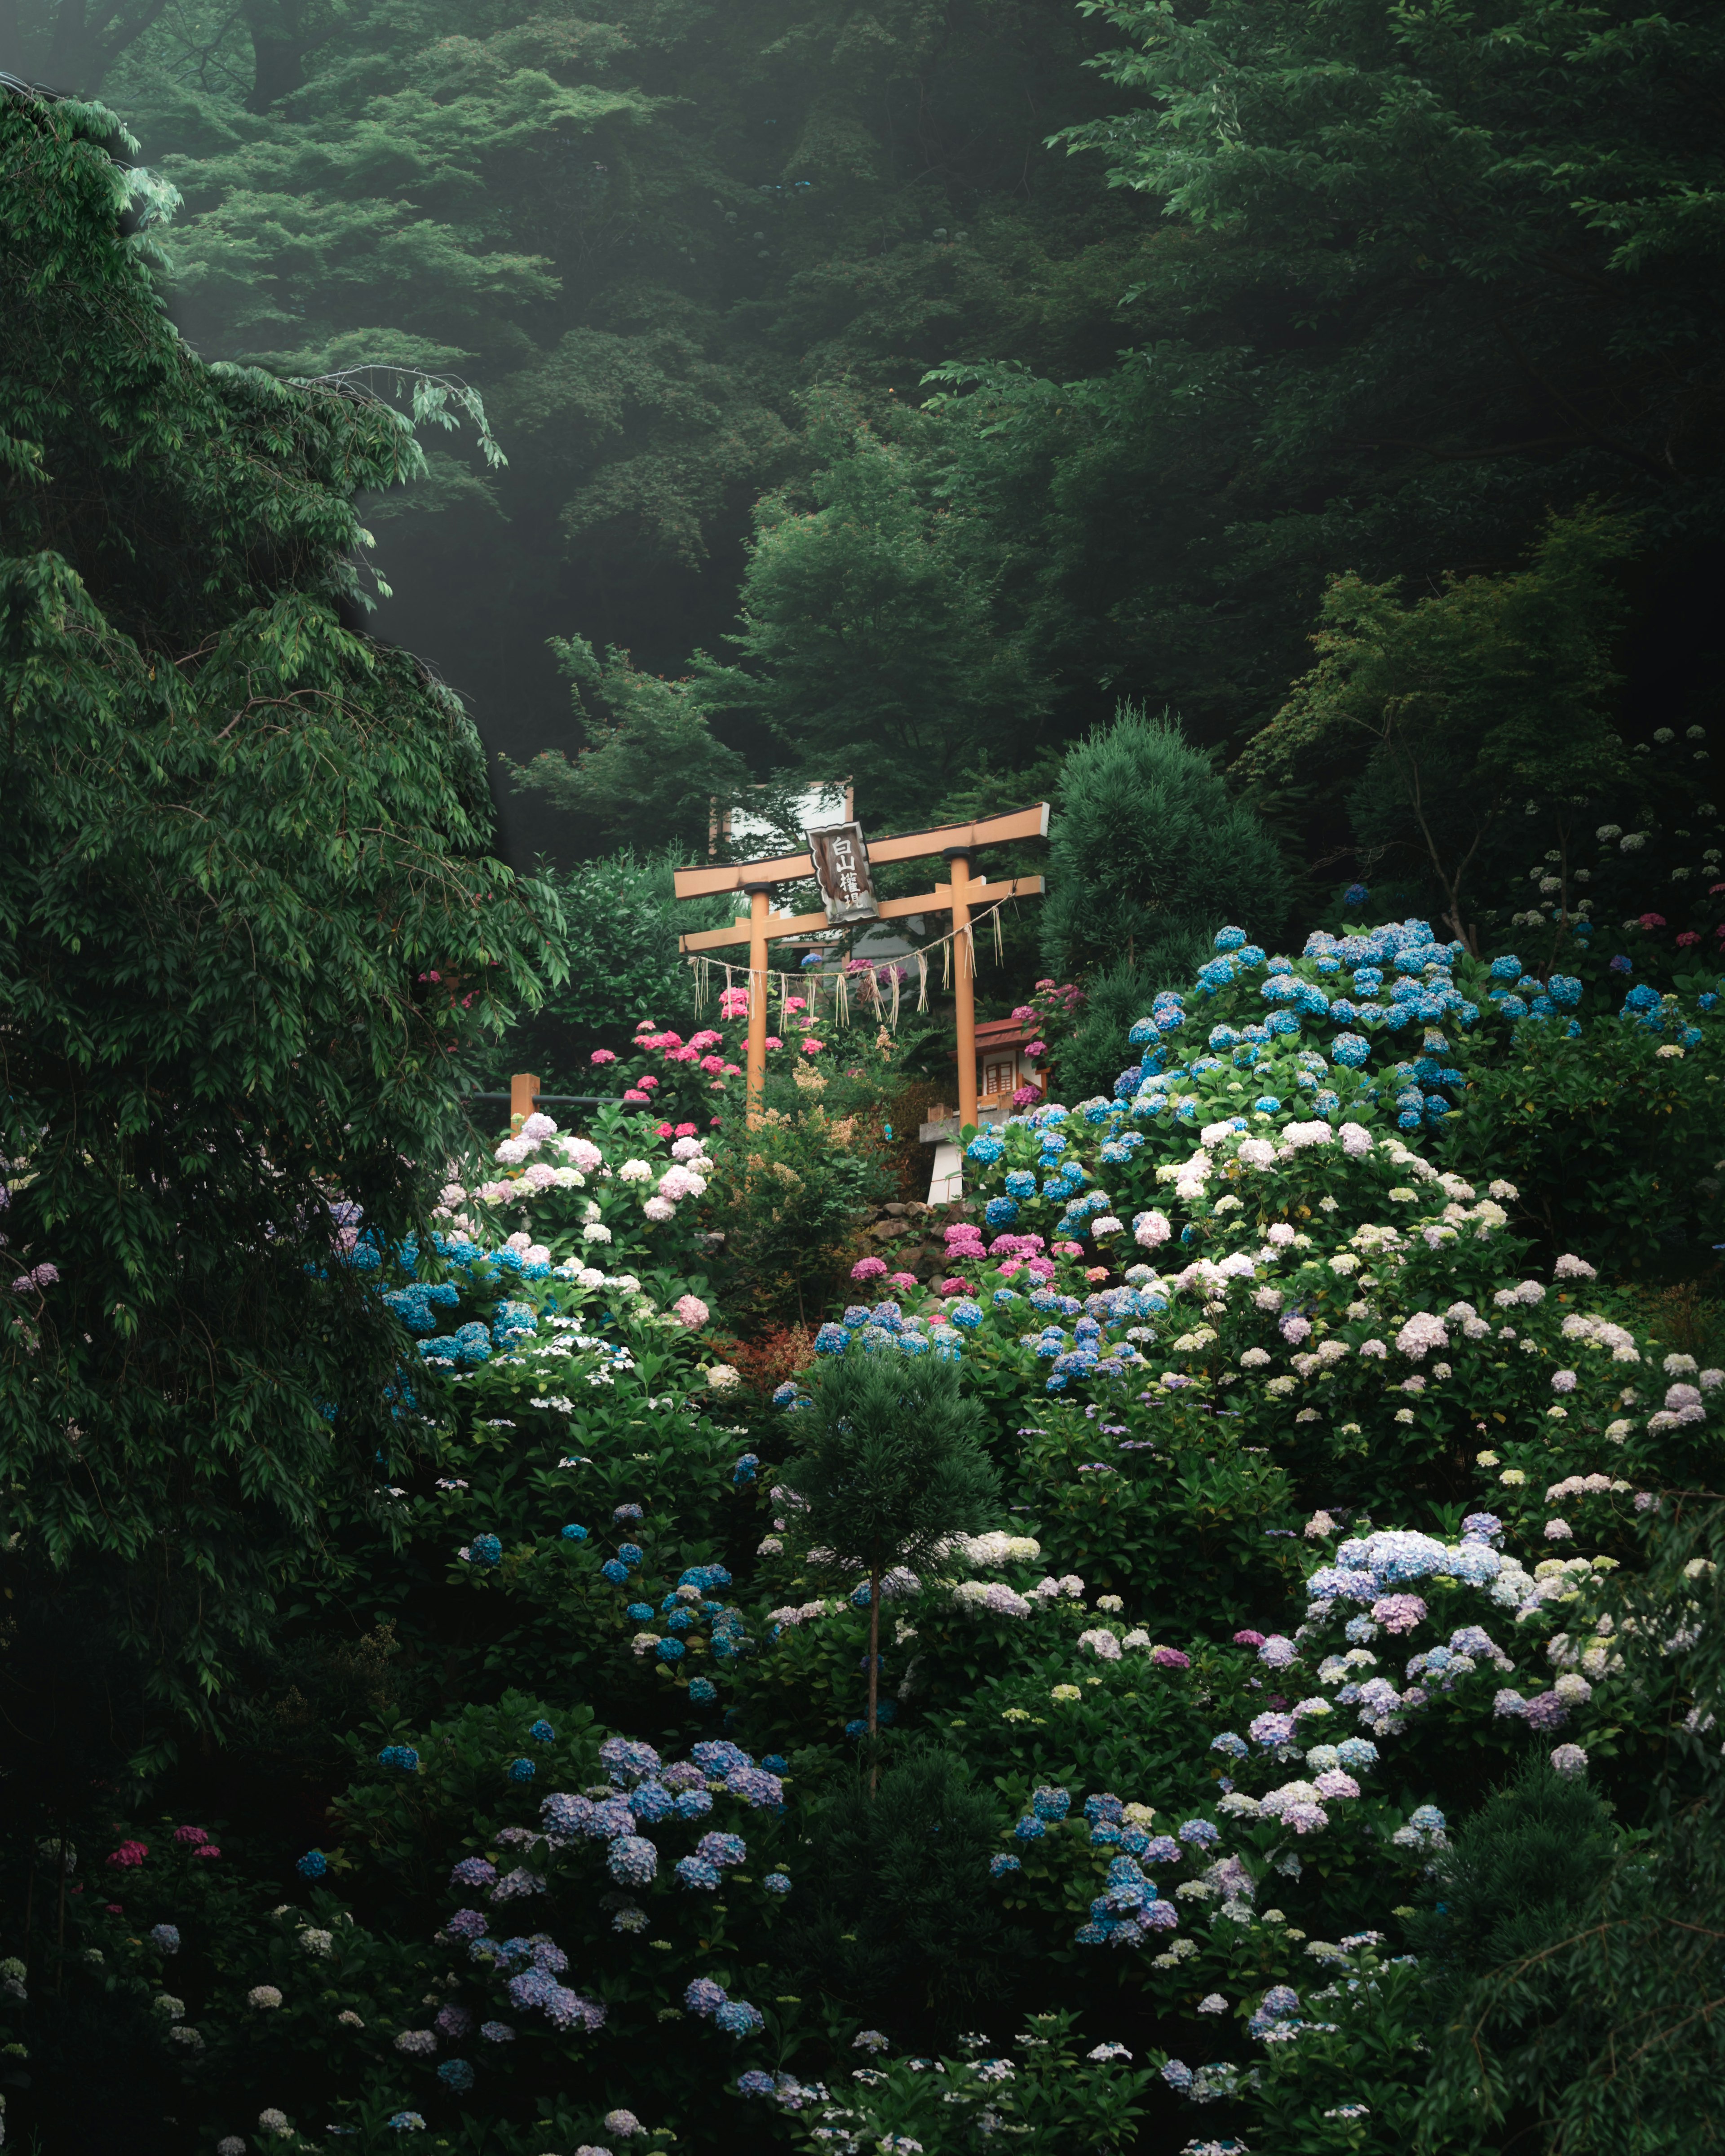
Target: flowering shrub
{"points": [[1327, 1499]]}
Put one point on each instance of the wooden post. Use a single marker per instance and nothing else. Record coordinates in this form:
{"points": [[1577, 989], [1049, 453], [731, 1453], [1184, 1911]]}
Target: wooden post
{"points": [[758, 894], [521, 1089], [957, 858]]}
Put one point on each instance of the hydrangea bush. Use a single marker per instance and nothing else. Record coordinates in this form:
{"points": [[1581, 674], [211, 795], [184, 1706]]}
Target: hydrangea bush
{"points": [[1326, 1499]]}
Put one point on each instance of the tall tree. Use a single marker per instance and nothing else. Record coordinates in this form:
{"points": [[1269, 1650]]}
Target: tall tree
{"points": [[1487, 702], [245, 842]]}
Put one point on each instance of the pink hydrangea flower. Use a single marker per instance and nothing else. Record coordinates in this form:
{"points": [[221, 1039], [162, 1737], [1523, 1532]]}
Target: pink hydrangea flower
{"points": [[1421, 1334], [689, 1310], [1398, 1613], [868, 1269], [601, 1056]]}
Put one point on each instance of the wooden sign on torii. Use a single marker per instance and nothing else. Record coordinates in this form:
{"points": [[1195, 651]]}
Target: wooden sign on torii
{"points": [[954, 842]]}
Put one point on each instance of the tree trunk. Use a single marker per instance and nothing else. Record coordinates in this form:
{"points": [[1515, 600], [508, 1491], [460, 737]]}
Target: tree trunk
{"points": [[80, 50], [283, 39], [874, 1676]]}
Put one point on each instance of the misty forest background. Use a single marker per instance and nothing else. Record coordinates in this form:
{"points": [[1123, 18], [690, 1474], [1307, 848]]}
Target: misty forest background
{"points": [[895, 389], [1284, 435]]}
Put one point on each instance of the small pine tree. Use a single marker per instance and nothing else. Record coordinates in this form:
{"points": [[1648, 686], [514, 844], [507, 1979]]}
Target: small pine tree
{"points": [[890, 1461], [1573, 1977], [1149, 851]]}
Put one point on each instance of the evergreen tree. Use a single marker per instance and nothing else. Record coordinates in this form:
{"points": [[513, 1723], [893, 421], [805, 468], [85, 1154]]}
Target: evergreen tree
{"points": [[890, 1462], [1146, 849]]}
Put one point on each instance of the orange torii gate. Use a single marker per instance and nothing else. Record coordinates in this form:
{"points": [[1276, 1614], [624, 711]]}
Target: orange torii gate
{"points": [[840, 859]]}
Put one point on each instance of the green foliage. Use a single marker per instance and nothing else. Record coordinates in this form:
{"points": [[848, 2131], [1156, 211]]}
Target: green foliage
{"points": [[791, 1191], [1612, 1145], [908, 1921], [889, 1461], [1489, 698], [1049, 2099], [621, 923], [1522, 1873], [1148, 854], [1587, 2019], [242, 837], [652, 775], [867, 640]]}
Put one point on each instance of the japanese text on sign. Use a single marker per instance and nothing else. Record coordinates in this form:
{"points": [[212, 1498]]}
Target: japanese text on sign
{"points": [[841, 867]]}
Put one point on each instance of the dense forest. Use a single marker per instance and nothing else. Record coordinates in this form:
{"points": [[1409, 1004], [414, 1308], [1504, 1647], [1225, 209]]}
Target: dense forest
{"points": [[670, 1615], [910, 384]]}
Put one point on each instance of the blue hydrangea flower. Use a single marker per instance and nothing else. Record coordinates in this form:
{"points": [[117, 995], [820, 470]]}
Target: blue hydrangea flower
{"points": [[312, 1864], [671, 1650], [521, 1770], [1229, 939], [777, 1882], [702, 1691], [402, 1756], [574, 1532], [541, 1732], [965, 1314], [1002, 1212], [985, 1147], [736, 2018], [998, 1866], [632, 1859], [831, 1340], [485, 1549], [1507, 968], [457, 2075], [696, 1874], [616, 1572], [1030, 1827], [166, 1938], [744, 1470]]}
